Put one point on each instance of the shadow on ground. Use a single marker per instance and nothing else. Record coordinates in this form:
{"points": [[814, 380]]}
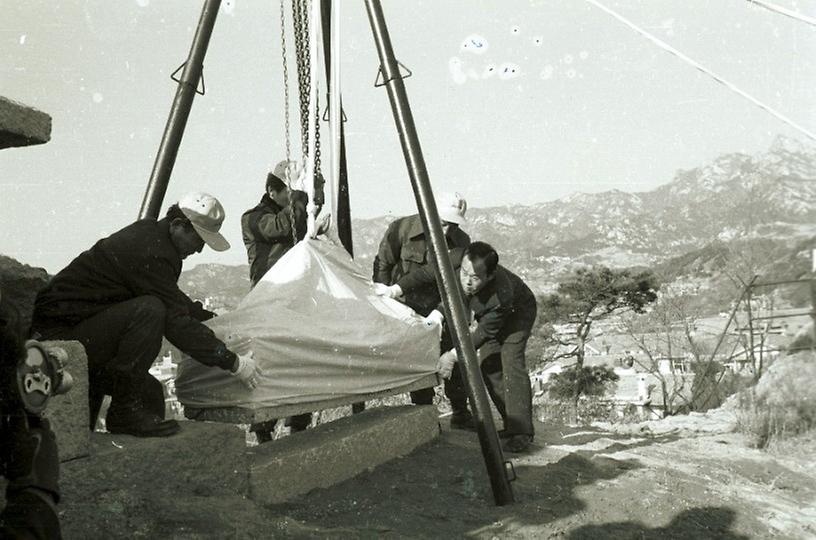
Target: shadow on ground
{"points": [[442, 490], [712, 522]]}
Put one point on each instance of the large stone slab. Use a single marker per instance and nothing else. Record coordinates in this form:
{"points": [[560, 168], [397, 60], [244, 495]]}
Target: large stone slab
{"points": [[21, 125], [68, 413], [337, 451]]}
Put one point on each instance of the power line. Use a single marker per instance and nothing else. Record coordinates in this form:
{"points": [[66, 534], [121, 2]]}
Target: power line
{"points": [[668, 48], [784, 11]]}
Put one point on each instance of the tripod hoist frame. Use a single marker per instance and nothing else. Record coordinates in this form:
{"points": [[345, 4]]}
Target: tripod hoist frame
{"points": [[499, 471]]}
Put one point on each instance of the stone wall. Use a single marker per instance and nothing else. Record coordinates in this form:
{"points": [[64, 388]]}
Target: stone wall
{"points": [[20, 284]]}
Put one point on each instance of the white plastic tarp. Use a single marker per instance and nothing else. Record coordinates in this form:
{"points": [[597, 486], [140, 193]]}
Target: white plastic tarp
{"points": [[317, 332]]}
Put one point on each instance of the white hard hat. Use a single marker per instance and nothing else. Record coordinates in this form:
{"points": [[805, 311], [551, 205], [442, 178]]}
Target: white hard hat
{"points": [[451, 207]]}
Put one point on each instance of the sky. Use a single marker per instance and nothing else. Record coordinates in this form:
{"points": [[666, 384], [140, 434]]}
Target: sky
{"points": [[515, 101]]}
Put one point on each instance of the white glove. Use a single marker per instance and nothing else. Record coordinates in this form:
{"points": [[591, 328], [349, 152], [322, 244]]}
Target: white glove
{"points": [[393, 291], [446, 362], [323, 224], [247, 371]]}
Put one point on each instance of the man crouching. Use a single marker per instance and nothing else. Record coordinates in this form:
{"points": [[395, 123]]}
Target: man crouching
{"points": [[121, 297]]}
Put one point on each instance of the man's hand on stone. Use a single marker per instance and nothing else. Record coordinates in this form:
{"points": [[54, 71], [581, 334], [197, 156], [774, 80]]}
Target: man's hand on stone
{"points": [[246, 370]]}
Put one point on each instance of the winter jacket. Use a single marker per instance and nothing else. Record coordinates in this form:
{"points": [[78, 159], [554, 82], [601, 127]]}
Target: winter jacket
{"points": [[502, 309], [404, 249], [267, 232], [138, 260]]}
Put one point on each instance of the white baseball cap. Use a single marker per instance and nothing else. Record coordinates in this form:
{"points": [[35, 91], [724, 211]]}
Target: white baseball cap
{"points": [[451, 207], [206, 215]]}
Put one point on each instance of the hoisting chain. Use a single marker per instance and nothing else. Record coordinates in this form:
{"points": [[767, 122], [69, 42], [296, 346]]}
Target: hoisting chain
{"points": [[300, 9], [300, 20], [285, 85]]}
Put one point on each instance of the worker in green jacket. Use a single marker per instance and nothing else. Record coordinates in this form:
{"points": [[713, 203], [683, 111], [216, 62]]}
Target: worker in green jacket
{"points": [[404, 249]]}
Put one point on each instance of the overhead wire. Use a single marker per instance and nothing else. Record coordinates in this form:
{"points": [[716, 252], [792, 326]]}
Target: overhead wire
{"points": [[668, 48], [784, 11]]}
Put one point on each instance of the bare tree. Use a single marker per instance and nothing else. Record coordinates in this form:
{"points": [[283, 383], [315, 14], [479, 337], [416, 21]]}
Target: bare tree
{"points": [[666, 332]]}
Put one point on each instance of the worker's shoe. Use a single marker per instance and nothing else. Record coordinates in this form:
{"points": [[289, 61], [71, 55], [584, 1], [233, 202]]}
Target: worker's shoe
{"points": [[518, 443], [463, 421], [133, 419]]}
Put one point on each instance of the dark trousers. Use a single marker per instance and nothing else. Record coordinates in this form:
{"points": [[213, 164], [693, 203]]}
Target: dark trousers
{"points": [[507, 381], [265, 429], [121, 343], [423, 397]]}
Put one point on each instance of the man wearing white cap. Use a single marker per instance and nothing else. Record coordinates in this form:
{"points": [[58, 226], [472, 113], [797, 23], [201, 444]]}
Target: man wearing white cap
{"points": [[403, 249], [121, 297]]}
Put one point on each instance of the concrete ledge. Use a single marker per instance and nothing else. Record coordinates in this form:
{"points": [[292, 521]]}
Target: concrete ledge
{"points": [[21, 125], [238, 415], [68, 413], [337, 451]]}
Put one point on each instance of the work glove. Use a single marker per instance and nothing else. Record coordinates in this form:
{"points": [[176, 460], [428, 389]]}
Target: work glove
{"points": [[247, 371], [446, 362], [391, 291], [323, 224], [33, 460]]}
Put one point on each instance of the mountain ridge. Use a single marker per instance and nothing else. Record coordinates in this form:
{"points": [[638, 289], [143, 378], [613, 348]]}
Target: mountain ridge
{"points": [[745, 200]]}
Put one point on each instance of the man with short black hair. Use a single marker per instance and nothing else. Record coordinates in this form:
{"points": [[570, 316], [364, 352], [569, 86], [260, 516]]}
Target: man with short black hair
{"points": [[121, 297], [275, 224], [504, 311]]}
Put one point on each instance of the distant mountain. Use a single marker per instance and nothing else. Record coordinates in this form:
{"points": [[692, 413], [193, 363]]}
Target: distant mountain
{"points": [[771, 195], [683, 228], [223, 285]]}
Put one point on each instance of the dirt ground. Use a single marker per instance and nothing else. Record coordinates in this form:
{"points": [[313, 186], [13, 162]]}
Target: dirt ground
{"points": [[579, 484], [575, 483]]}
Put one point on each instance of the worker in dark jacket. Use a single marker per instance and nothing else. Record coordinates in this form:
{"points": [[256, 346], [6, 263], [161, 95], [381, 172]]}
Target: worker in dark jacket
{"points": [[403, 249], [504, 311], [121, 297], [271, 228]]}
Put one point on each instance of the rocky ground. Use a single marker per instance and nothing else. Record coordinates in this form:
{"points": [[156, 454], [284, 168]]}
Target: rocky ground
{"points": [[575, 483]]}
